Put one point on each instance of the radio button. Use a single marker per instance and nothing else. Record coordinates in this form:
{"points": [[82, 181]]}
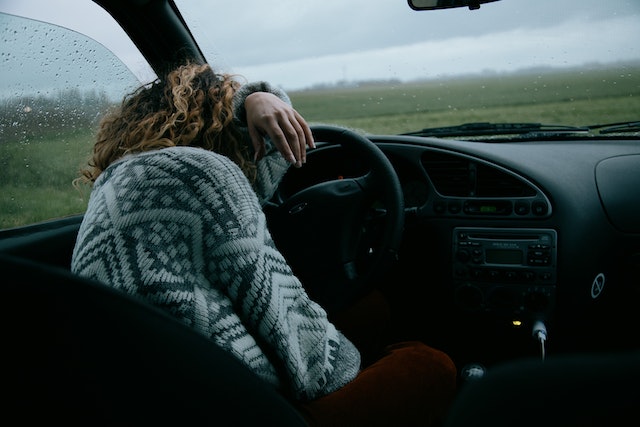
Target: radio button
{"points": [[511, 275], [463, 255], [539, 208], [539, 255], [494, 274], [521, 208], [462, 272], [454, 207], [538, 261], [477, 274], [528, 275]]}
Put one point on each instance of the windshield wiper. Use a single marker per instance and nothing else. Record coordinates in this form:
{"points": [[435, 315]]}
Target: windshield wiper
{"points": [[486, 128], [621, 127]]}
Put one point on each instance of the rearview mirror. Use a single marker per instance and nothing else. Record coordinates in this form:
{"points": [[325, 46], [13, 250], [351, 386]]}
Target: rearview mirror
{"points": [[446, 4]]}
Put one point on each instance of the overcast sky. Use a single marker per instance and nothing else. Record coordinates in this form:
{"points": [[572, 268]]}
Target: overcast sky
{"points": [[284, 43], [379, 38]]}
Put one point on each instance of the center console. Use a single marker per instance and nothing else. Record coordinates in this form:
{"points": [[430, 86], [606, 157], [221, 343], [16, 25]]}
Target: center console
{"points": [[505, 271]]}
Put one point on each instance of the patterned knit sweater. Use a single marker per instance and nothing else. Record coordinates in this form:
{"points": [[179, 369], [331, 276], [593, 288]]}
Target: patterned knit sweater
{"points": [[183, 228]]}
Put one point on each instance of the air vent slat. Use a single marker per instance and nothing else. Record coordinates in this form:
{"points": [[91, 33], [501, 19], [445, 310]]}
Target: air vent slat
{"points": [[457, 176], [493, 182], [450, 177]]}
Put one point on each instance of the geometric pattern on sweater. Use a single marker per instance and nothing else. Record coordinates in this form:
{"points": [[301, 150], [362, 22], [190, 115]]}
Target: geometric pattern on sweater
{"points": [[182, 228]]}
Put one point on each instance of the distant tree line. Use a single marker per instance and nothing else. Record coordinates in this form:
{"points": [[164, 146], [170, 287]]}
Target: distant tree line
{"points": [[23, 119], [348, 84]]}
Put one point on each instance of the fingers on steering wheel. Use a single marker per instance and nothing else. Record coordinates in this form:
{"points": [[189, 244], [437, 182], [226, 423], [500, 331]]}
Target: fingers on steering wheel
{"points": [[291, 135], [305, 134], [287, 144], [294, 138]]}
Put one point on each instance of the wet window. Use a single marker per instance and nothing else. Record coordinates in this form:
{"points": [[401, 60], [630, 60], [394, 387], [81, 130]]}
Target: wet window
{"points": [[56, 85]]}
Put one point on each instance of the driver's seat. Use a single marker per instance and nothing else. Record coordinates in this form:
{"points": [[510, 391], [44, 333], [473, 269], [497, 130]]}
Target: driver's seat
{"points": [[78, 352]]}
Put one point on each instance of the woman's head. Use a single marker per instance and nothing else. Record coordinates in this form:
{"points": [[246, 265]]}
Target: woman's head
{"points": [[190, 106]]}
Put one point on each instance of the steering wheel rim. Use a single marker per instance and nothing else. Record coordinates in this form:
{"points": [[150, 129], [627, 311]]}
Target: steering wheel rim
{"points": [[347, 210]]}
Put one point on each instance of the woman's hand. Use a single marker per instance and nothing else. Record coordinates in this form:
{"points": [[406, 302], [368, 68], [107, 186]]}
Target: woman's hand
{"points": [[269, 115]]}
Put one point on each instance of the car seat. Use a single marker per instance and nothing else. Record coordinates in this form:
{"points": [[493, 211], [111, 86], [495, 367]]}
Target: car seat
{"points": [[571, 390], [78, 352]]}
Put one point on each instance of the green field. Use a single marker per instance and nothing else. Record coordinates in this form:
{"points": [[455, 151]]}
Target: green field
{"points": [[36, 172], [570, 97], [36, 178]]}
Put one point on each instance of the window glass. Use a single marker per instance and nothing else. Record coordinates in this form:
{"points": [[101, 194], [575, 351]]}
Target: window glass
{"points": [[56, 83]]}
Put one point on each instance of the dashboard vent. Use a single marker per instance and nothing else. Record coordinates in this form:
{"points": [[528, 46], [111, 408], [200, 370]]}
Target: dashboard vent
{"points": [[449, 174], [459, 176]]}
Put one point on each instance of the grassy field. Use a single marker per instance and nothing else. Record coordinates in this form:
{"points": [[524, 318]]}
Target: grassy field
{"points": [[36, 178], [36, 175], [570, 97]]}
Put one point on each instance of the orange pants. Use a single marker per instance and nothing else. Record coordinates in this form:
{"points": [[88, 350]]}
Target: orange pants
{"points": [[406, 384], [412, 384]]}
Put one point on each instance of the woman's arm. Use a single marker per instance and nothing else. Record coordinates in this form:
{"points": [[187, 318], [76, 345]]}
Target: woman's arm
{"points": [[242, 260], [273, 126], [286, 128]]}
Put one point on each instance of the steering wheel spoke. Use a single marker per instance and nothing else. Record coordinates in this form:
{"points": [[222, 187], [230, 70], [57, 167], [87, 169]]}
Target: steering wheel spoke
{"points": [[340, 235]]}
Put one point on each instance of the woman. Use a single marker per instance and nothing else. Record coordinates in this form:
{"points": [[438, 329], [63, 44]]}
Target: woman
{"points": [[175, 218]]}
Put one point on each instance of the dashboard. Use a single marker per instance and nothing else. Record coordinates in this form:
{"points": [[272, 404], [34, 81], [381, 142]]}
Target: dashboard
{"points": [[509, 231]]}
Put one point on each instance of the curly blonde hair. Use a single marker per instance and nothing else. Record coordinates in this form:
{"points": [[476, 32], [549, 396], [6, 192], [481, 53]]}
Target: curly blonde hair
{"points": [[191, 106]]}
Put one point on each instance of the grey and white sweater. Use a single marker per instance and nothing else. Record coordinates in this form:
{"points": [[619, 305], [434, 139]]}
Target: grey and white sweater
{"points": [[183, 228]]}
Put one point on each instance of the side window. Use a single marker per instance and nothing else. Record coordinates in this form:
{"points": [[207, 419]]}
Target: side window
{"points": [[55, 85]]}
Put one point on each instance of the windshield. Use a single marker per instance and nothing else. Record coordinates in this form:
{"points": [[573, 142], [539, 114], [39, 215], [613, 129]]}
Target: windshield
{"points": [[511, 70], [382, 67]]}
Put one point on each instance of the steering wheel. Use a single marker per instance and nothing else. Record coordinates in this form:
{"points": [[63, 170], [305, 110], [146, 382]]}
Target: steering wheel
{"points": [[342, 233]]}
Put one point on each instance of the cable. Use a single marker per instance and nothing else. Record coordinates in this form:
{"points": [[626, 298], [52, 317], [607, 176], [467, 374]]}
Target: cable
{"points": [[540, 333]]}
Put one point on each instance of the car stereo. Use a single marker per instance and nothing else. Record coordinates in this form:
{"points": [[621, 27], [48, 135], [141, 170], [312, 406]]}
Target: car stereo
{"points": [[510, 270]]}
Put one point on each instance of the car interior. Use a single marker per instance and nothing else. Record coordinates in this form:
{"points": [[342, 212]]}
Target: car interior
{"points": [[520, 259]]}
